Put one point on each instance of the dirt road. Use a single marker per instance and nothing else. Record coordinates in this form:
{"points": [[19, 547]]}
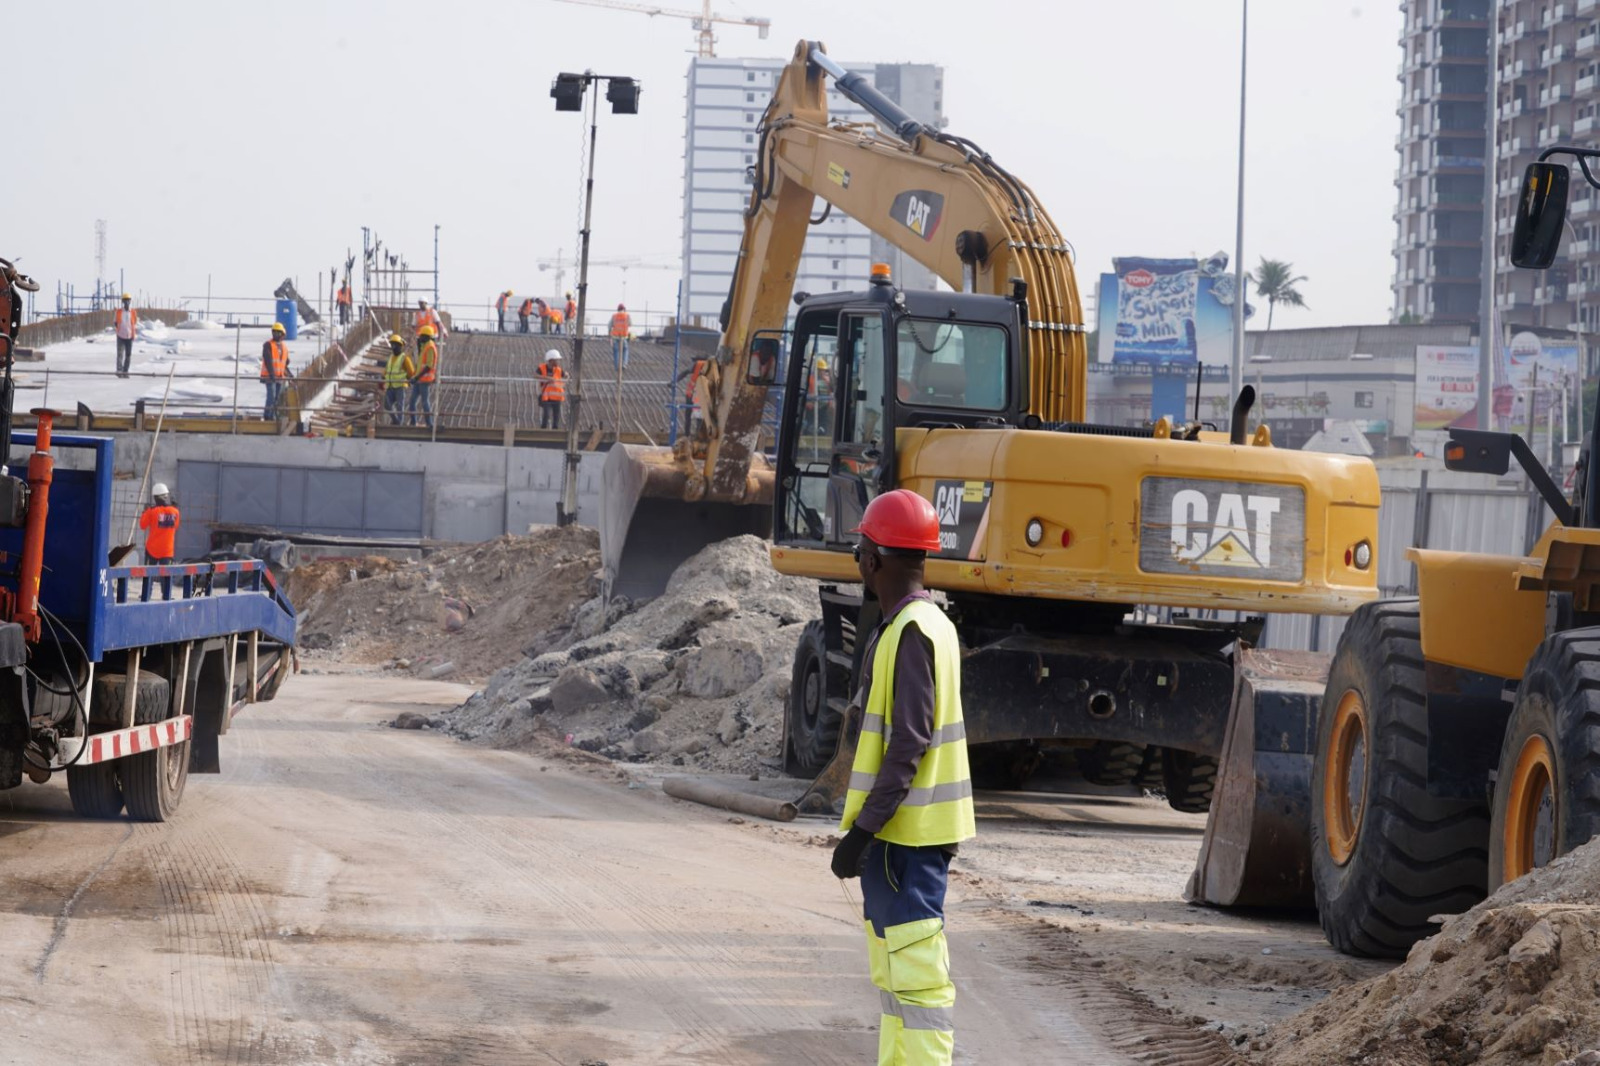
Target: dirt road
{"points": [[349, 894]]}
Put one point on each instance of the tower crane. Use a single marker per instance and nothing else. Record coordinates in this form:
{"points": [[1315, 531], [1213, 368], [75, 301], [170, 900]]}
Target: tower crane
{"points": [[559, 266], [702, 19]]}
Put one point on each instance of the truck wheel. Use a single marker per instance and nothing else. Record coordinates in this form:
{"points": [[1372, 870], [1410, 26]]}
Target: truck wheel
{"points": [[1006, 765], [1111, 763], [1385, 855], [1545, 799], [1188, 778], [153, 781], [813, 725], [95, 790]]}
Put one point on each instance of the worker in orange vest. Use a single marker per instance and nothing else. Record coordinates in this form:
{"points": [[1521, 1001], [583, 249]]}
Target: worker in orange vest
{"points": [[160, 523], [427, 372], [522, 314], [621, 330], [552, 390], [690, 400], [544, 314], [274, 369], [553, 316], [500, 309], [426, 316], [571, 314], [127, 322], [343, 301]]}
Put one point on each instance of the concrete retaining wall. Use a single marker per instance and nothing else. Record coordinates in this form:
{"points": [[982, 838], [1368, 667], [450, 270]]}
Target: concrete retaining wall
{"points": [[471, 492]]}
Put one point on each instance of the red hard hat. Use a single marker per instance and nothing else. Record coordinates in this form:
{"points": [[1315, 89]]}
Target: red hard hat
{"points": [[901, 519]]}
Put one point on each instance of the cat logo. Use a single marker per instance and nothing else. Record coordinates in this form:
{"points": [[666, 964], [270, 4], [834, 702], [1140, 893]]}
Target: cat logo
{"points": [[919, 211], [947, 501], [1224, 528]]}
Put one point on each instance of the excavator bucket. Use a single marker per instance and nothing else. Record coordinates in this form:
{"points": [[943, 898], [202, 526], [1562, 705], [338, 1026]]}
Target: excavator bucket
{"points": [[1257, 845], [649, 525], [825, 794]]}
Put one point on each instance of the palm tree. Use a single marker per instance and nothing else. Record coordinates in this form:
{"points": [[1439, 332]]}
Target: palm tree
{"points": [[1275, 281]]}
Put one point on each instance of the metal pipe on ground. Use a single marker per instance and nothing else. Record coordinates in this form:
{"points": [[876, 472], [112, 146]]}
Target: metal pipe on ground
{"points": [[699, 790]]}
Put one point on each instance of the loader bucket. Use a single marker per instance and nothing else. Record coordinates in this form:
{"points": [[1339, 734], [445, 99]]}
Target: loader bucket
{"points": [[825, 794], [648, 525], [1257, 846]]}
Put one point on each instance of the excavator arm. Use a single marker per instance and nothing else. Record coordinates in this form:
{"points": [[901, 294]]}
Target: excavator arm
{"points": [[939, 198]]}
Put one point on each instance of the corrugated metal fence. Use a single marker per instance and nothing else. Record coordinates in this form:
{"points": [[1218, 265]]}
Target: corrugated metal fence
{"points": [[1427, 508]]}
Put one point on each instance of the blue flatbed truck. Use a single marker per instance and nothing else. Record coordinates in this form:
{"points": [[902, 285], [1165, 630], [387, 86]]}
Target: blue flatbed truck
{"points": [[131, 674]]}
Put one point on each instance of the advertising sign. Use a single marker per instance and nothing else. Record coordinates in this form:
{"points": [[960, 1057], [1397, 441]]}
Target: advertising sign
{"points": [[1447, 385], [1166, 312]]}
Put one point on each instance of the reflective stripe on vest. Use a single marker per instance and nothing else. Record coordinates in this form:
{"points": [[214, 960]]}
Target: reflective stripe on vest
{"points": [[620, 324], [938, 807], [276, 361], [427, 360], [553, 388]]}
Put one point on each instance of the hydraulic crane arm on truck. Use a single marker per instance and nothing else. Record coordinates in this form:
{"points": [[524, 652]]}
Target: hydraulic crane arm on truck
{"points": [[1072, 553]]}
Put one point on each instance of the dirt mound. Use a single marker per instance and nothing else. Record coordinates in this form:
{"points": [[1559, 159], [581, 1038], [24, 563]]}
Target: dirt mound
{"points": [[696, 677], [478, 606], [1511, 981]]}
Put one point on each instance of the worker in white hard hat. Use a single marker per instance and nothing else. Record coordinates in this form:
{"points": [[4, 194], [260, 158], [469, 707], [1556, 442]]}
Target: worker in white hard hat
{"points": [[160, 523], [127, 322], [552, 390]]}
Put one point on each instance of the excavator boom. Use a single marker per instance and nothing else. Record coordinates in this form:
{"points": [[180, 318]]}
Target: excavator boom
{"points": [[940, 198]]}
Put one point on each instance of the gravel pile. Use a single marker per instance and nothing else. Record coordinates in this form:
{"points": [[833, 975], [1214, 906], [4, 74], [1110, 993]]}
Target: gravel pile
{"points": [[1514, 980], [696, 677]]}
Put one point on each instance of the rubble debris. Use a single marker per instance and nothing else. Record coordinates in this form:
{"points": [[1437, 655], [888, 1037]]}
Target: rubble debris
{"points": [[696, 677], [461, 611], [1511, 981]]}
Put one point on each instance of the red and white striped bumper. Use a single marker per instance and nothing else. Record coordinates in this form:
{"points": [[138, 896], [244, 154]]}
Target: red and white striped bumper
{"points": [[103, 747]]}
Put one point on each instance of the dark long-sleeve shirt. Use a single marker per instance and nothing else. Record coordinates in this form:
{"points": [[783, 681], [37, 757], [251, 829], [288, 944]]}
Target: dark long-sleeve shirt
{"points": [[910, 721]]}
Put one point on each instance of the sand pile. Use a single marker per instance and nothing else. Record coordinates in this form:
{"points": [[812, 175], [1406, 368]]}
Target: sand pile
{"points": [[696, 677], [478, 606], [1514, 980]]}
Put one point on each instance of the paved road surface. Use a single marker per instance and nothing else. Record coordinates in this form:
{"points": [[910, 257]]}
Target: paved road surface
{"points": [[349, 894]]}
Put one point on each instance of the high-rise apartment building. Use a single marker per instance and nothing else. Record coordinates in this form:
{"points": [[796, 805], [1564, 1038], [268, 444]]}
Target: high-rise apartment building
{"points": [[1444, 93], [725, 101], [1547, 63]]}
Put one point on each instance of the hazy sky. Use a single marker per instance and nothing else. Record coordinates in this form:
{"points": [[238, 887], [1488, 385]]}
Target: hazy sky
{"points": [[253, 140]]}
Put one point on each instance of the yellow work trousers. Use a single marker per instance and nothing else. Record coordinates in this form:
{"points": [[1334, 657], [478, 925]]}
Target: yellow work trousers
{"points": [[910, 964]]}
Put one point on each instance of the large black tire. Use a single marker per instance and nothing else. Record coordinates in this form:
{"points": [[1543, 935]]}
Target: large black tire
{"points": [[152, 782], [95, 790], [1547, 792], [1005, 765], [1397, 855], [1111, 763], [813, 725], [1188, 778]]}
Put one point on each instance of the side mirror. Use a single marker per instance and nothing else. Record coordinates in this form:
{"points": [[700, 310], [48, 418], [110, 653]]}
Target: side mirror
{"points": [[1541, 210], [1477, 452], [764, 353]]}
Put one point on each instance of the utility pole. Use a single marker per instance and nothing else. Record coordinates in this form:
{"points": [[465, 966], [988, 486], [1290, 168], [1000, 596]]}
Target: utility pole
{"points": [[1486, 330], [568, 92], [1236, 375]]}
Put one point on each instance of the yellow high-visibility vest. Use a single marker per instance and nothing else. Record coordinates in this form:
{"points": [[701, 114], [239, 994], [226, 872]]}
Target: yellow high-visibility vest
{"points": [[938, 808]]}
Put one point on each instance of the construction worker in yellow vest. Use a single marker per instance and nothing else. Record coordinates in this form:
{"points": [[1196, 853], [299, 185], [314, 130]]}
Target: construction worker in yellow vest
{"points": [[427, 370], [910, 798], [127, 323], [397, 374]]}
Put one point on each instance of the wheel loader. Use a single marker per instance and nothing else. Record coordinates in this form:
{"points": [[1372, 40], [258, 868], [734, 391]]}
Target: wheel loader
{"points": [[1091, 570], [1458, 745]]}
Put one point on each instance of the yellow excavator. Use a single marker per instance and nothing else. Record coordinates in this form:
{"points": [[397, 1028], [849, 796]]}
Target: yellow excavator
{"points": [[1085, 566]]}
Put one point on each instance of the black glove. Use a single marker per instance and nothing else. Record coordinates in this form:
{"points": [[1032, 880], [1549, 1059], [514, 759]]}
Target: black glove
{"points": [[848, 853]]}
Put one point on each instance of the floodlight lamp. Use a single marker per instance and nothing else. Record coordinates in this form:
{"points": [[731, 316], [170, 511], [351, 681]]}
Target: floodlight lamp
{"points": [[567, 91], [623, 93]]}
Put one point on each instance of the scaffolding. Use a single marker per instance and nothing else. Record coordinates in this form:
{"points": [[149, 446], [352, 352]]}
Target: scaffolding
{"points": [[386, 275]]}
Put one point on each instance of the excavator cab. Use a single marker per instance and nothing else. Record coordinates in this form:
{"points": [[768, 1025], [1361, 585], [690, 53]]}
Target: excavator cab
{"points": [[863, 365]]}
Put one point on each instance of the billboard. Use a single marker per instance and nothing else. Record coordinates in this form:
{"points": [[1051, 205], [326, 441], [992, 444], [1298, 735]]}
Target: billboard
{"points": [[1166, 312], [1447, 385]]}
